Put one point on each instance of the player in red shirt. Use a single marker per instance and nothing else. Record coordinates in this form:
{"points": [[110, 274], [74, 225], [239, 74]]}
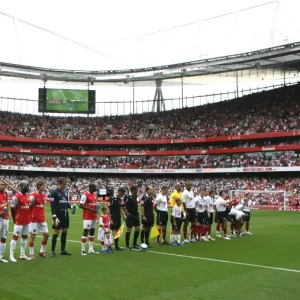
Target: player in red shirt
{"points": [[104, 233], [4, 216], [20, 211], [89, 206], [38, 220]]}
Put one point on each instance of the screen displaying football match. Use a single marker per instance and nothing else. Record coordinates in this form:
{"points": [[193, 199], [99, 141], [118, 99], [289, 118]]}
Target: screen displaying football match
{"points": [[67, 101]]}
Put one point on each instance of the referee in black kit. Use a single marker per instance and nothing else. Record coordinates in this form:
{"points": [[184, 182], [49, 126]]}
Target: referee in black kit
{"points": [[114, 204], [130, 208], [60, 215]]}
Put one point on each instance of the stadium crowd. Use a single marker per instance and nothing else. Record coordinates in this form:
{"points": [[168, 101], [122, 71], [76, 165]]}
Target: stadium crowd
{"points": [[78, 185], [257, 159], [268, 111]]}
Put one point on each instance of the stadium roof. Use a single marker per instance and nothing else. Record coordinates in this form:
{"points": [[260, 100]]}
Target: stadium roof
{"points": [[285, 57], [109, 42]]}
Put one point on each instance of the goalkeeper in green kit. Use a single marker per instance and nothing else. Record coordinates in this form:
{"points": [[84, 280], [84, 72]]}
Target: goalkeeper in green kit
{"points": [[90, 209]]}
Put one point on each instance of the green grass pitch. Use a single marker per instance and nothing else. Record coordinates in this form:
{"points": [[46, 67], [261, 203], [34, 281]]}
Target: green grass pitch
{"points": [[67, 95], [161, 276]]}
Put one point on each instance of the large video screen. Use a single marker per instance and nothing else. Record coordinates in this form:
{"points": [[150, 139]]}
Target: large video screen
{"points": [[67, 101]]}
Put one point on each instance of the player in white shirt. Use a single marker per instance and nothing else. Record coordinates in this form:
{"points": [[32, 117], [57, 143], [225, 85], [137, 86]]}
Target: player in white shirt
{"points": [[209, 200], [176, 220], [201, 215], [189, 208], [222, 214], [161, 207], [247, 208], [237, 215]]}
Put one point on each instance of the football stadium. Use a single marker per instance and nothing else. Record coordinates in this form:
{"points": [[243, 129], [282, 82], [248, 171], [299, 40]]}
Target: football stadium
{"points": [[149, 150]]}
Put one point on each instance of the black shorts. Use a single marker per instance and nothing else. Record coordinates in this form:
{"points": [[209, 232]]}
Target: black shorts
{"points": [[162, 218], [222, 217], [231, 218], [149, 222], [64, 221], [209, 220], [192, 215], [116, 222], [201, 218], [247, 213], [133, 221], [177, 225]]}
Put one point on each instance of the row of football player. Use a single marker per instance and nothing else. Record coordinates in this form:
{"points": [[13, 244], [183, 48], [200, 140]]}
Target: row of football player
{"points": [[198, 210], [29, 216], [186, 208]]}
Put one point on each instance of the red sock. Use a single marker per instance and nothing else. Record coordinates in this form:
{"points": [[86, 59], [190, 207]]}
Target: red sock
{"points": [[83, 240], [203, 230], [185, 231], [164, 233], [218, 227], [31, 244], [44, 243], [247, 226], [158, 237], [91, 238]]}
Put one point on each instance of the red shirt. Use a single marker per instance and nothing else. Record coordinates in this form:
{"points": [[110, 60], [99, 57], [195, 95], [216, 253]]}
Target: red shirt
{"points": [[22, 209], [105, 221], [4, 203], [90, 201], [38, 207]]}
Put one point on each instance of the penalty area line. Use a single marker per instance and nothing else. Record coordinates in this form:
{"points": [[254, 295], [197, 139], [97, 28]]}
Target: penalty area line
{"points": [[225, 261]]}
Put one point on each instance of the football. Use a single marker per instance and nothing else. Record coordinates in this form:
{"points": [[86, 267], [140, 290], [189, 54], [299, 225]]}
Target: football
{"points": [[143, 247]]}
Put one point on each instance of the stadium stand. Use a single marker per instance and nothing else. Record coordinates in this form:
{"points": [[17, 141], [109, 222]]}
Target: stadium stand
{"points": [[283, 159], [79, 184], [271, 111]]}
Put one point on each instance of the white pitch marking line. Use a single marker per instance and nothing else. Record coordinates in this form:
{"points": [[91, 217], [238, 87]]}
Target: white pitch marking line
{"points": [[213, 260], [226, 262]]}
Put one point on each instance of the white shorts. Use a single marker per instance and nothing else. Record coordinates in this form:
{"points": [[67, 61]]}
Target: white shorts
{"points": [[21, 229], [89, 224], [4, 224], [36, 228], [236, 213], [102, 236]]}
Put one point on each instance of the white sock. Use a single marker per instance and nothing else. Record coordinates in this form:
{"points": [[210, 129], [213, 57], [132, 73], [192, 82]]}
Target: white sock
{"points": [[178, 236], [2, 248], [172, 238], [13, 245], [91, 245], [103, 247], [43, 248], [23, 246], [83, 242], [31, 251]]}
